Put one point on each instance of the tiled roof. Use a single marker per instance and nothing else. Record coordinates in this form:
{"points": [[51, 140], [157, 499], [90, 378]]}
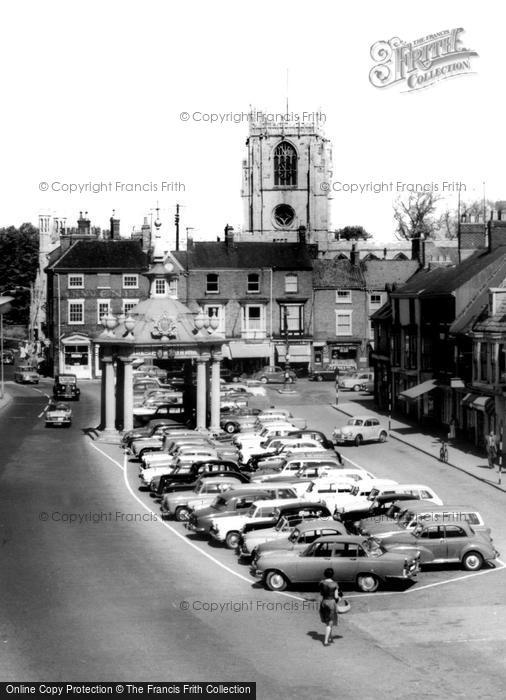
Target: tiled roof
{"points": [[337, 274], [220, 255], [495, 323], [444, 280], [377, 273], [102, 255]]}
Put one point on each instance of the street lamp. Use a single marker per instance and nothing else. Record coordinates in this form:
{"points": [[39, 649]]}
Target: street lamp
{"points": [[5, 306]]}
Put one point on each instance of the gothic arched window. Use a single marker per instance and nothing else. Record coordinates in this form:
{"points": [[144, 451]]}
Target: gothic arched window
{"points": [[285, 165]]}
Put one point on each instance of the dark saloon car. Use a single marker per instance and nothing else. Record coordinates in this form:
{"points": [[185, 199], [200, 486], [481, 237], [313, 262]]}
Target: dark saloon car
{"points": [[325, 373], [188, 477], [65, 387]]}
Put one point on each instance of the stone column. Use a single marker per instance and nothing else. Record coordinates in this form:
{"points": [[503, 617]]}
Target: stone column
{"points": [[128, 395], [102, 393], [110, 399], [201, 392], [215, 392], [119, 392]]}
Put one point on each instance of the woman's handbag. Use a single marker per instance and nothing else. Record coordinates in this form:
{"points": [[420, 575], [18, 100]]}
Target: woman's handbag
{"points": [[343, 606]]}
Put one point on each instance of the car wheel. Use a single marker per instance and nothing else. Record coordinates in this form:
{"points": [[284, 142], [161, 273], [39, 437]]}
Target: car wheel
{"points": [[358, 440], [232, 539], [264, 380], [229, 428], [356, 387], [182, 514], [368, 583], [275, 581], [382, 436], [319, 378], [472, 561]]}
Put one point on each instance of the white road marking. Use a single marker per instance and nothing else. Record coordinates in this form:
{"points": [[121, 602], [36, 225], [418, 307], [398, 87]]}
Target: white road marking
{"points": [[178, 534]]}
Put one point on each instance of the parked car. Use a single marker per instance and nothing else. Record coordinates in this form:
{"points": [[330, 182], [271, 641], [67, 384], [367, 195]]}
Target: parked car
{"points": [[353, 382], [445, 544], [226, 527], [58, 414], [180, 480], [289, 516], [377, 508], [296, 537], [230, 375], [26, 374], [150, 429], [368, 387], [359, 429], [201, 520], [325, 373], [65, 387], [142, 416], [362, 561], [235, 420], [274, 375], [175, 504]]}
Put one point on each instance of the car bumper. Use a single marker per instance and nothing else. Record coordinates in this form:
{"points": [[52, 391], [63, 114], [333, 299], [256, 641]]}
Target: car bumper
{"points": [[256, 573], [343, 439], [59, 422], [193, 527]]}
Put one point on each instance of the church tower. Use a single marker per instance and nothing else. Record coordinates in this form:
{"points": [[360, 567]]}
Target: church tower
{"points": [[286, 181]]}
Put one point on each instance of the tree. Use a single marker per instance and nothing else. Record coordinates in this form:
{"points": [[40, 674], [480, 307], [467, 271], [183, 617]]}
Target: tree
{"points": [[349, 233], [19, 251], [416, 216], [469, 211]]}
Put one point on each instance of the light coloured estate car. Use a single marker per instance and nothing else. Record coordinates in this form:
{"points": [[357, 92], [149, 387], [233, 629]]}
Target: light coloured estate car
{"points": [[354, 382], [176, 504], [360, 429]]}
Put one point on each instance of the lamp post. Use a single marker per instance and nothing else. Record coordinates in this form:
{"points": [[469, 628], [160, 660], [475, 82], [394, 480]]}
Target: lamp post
{"points": [[5, 305]]}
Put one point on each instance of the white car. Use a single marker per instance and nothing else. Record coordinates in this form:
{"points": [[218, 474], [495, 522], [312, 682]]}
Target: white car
{"points": [[359, 429], [196, 455], [353, 382], [418, 491], [176, 504], [283, 446], [364, 493], [227, 527]]}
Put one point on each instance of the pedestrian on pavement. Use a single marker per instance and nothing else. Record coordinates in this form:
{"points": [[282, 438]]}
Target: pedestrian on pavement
{"points": [[330, 594], [491, 449], [453, 429]]}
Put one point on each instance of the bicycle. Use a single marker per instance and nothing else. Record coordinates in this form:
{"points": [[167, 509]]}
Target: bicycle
{"points": [[443, 452]]}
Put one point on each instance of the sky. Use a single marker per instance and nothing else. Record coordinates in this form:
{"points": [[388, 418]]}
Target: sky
{"points": [[93, 94]]}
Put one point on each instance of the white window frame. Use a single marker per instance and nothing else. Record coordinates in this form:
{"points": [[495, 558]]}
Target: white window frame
{"points": [[221, 315], [349, 314], [133, 276], [69, 304], [248, 332], [99, 303], [76, 275], [343, 299], [132, 302], [294, 282], [157, 294], [373, 304]]}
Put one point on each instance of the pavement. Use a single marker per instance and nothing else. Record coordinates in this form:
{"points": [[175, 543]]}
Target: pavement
{"points": [[4, 400], [460, 456]]}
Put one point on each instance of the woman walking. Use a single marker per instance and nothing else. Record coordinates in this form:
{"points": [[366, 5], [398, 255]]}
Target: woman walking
{"points": [[330, 594]]}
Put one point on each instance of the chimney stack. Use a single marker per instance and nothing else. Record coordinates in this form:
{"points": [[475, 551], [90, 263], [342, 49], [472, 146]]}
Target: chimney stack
{"points": [[354, 255], [114, 229], [418, 249], [83, 224], [229, 235], [146, 235], [302, 237]]}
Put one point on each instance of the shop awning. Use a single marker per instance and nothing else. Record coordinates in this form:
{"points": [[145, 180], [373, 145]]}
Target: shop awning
{"points": [[415, 391], [478, 402], [297, 353], [239, 350]]}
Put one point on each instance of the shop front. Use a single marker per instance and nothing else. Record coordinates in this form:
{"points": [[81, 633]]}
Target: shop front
{"points": [[76, 356]]}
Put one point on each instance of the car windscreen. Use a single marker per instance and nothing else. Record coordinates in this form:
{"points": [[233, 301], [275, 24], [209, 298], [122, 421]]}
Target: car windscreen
{"points": [[294, 535], [355, 421]]}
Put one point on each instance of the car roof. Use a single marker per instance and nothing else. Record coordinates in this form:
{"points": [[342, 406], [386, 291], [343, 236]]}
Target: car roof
{"points": [[301, 505], [341, 538], [310, 523], [364, 417], [275, 502], [430, 506]]}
